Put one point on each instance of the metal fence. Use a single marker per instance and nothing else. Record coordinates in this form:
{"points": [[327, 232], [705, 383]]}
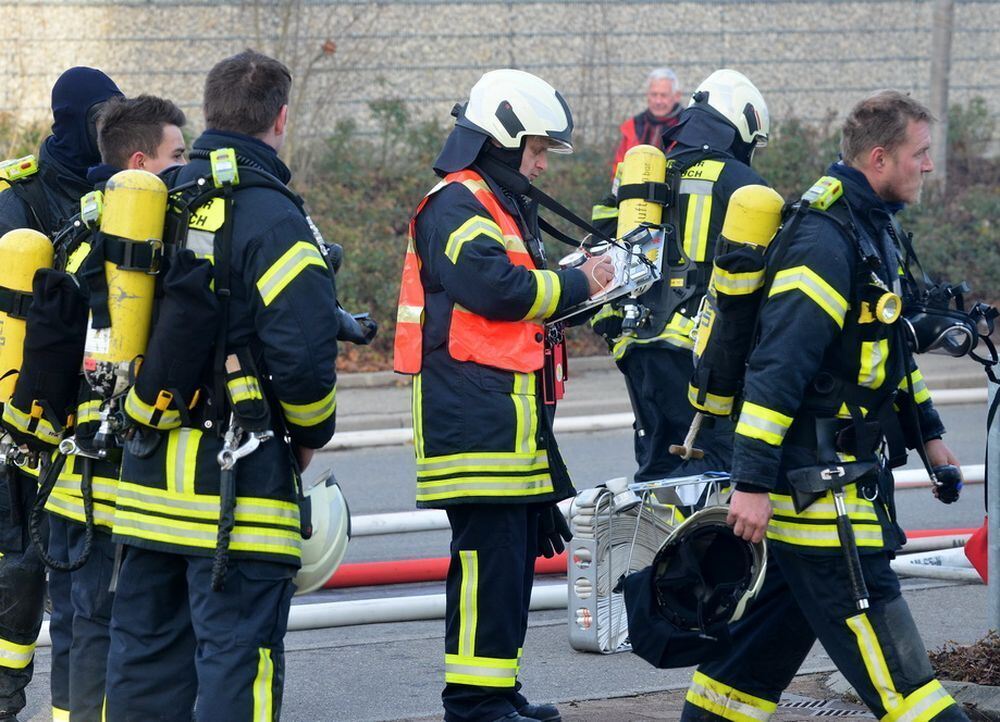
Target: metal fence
{"points": [[812, 59]]}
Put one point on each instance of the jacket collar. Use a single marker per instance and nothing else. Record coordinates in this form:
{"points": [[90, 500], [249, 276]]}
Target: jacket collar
{"points": [[252, 149]]}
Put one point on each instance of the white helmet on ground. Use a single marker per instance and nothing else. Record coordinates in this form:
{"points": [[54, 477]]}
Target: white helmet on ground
{"points": [[331, 530], [704, 575], [732, 94], [508, 105]]}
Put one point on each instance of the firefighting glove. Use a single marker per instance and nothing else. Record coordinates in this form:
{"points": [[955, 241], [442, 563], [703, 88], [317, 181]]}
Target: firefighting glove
{"points": [[947, 483], [553, 532]]}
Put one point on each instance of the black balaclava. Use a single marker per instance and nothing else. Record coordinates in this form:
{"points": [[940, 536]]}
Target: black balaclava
{"points": [[700, 124], [76, 97]]}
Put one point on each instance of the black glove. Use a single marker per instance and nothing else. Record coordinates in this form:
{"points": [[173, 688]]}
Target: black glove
{"points": [[553, 532], [357, 328], [948, 483]]}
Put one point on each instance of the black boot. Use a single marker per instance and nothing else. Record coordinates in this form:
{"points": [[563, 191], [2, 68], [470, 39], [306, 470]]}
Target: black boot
{"points": [[543, 712]]}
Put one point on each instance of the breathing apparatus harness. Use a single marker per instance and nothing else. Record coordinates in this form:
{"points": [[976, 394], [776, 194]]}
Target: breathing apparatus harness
{"points": [[683, 278], [243, 427]]}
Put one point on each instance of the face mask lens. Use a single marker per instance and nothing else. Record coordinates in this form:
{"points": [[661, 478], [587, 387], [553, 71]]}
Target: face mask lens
{"points": [[956, 341]]}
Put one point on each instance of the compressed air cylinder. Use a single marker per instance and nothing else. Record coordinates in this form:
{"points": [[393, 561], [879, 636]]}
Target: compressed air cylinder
{"points": [[642, 164], [23, 251], [135, 203], [726, 319]]}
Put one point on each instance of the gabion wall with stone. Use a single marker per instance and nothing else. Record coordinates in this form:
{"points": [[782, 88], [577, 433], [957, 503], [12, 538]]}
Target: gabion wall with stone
{"points": [[810, 59]]}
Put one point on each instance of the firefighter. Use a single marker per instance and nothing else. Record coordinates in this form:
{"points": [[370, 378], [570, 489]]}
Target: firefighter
{"points": [[832, 398], [45, 193], [710, 151], [207, 508], [142, 132], [47, 197], [474, 298]]}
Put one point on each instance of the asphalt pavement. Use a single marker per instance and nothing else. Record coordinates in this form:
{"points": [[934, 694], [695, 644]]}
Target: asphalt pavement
{"points": [[393, 671]]}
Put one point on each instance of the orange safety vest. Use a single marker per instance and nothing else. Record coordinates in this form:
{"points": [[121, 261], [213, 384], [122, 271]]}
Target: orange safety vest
{"points": [[509, 345]]}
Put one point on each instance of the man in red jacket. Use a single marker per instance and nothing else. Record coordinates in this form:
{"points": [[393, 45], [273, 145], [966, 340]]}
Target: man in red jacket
{"points": [[663, 106]]}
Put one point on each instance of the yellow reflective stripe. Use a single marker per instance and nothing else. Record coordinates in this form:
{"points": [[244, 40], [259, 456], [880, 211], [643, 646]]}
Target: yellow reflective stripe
{"points": [[822, 535], [15, 656], [473, 185], [70, 480], [920, 391], [417, 404], [182, 456], [676, 333], [480, 671], [548, 290], [244, 388], [283, 271], [144, 413], [760, 422], [823, 509], [409, 314], [311, 414], [736, 284], [469, 231], [60, 715], [87, 412], [871, 654], [525, 414], [874, 355], [468, 607], [263, 687], [482, 461], [22, 422], [266, 540], [713, 403], [697, 220], [607, 311], [727, 702], [71, 507], [806, 280], [249, 509], [708, 170], [922, 705], [603, 213], [488, 486]]}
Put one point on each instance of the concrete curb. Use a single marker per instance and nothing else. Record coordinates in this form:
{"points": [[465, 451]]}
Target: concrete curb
{"points": [[968, 377]]}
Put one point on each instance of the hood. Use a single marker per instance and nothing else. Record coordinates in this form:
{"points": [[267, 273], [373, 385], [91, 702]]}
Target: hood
{"points": [[701, 125], [76, 98], [461, 148]]}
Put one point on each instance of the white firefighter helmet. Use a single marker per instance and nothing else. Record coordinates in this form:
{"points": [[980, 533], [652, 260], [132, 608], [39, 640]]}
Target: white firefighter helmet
{"points": [[732, 94], [331, 530], [704, 575], [508, 105]]}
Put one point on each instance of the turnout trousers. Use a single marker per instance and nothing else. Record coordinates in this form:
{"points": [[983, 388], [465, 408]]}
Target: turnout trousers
{"points": [[493, 549], [180, 651], [22, 590], [807, 596], [80, 621], [657, 380]]}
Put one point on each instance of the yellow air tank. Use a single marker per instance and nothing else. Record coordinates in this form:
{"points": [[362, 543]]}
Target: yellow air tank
{"points": [[23, 251], [726, 318], [135, 204], [642, 164]]}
